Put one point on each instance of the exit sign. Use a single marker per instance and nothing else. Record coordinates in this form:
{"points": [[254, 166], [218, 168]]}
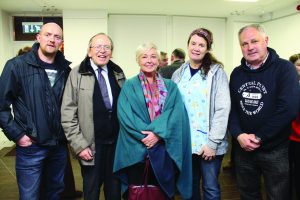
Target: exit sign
{"points": [[31, 27]]}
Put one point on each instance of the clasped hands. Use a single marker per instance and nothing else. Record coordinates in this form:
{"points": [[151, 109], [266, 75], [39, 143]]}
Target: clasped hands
{"points": [[248, 141], [150, 140]]}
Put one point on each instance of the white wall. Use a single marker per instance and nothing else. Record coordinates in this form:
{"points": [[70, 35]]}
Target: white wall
{"points": [[129, 31], [5, 49], [284, 35], [167, 32], [5, 38], [79, 27]]}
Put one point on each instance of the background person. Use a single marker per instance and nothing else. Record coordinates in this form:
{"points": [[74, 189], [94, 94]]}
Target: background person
{"points": [[24, 50], [163, 59], [33, 84], [295, 59], [205, 91], [177, 59], [89, 117], [153, 125], [294, 151], [265, 98]]}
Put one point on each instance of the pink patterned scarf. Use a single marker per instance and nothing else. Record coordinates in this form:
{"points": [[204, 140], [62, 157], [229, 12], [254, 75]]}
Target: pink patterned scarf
{"points": [[155, 94]]}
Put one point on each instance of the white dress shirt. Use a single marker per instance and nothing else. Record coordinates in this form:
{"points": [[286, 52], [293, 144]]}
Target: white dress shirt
{"points": [[104, 73]]}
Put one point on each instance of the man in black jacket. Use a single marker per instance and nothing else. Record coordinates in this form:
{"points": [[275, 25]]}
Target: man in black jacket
{"points": [[177, 59], [265, 96], [33, 84]]}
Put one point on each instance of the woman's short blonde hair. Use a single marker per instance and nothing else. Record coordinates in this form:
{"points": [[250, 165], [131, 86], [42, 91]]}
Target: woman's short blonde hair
{"points": [[141, 49]]}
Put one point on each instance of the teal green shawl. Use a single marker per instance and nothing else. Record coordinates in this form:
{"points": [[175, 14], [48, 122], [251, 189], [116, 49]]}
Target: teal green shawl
{"points": [[171, 126]]}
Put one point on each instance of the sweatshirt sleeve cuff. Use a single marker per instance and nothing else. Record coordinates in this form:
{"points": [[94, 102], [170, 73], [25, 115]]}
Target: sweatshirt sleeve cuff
{"points": [[235, 134]]}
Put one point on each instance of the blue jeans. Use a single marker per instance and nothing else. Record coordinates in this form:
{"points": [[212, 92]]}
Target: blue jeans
{"points": [[273, 165], [209, 172], [32, 162]]}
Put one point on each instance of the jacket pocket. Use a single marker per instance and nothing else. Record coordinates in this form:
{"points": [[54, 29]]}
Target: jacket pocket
{"points": [[24, 118]]}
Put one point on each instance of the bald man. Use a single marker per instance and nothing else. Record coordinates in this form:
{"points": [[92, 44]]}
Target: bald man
{"points": [[33, 84]]}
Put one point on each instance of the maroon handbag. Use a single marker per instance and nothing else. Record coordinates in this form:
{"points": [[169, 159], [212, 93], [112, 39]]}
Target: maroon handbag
{"points": [[146, 192]]}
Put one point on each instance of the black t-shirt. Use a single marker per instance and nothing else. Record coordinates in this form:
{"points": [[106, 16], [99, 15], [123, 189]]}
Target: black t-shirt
{"points": [[51, 71], [194, 71]]}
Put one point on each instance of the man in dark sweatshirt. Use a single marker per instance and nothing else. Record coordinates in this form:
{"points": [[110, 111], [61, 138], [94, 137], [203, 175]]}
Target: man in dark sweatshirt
{"points": [[265, 96]]}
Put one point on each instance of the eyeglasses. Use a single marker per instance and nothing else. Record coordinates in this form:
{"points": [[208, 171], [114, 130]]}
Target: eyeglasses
{"points": [[99, 47]]}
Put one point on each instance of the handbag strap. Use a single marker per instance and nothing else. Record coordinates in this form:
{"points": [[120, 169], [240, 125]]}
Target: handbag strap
{"points": [[146, 171]]}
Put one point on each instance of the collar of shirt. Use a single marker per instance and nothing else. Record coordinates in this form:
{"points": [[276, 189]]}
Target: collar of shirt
{"points": [[254, 67], [105, 75], [95, 67]]}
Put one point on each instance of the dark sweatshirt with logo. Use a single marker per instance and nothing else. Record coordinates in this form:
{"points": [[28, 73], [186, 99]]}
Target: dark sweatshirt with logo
{"points": [[264, 100]]}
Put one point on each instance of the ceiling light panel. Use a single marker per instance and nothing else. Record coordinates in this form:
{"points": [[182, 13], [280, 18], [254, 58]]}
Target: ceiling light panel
{"points": [[246, 1]]}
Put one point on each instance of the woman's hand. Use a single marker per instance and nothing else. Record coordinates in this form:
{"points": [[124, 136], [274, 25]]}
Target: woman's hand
{"points": [[151, 139], [207, 153]]}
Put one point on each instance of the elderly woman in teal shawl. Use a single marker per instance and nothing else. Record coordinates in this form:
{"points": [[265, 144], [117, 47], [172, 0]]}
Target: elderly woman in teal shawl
{"points": [[153, 125]]}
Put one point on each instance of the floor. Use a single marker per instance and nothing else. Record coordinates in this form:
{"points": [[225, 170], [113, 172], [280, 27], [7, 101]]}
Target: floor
{"points": [[9, 190]]}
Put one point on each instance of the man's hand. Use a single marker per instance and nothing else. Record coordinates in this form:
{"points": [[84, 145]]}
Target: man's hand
{"points": [[86, 154], [248, 142], [24, 141], [150, 140]]}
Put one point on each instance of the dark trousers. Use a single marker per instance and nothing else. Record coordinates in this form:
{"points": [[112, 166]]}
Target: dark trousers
{"points": [[70, 188], [272, 165], [294, 154], [101, 173]]}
